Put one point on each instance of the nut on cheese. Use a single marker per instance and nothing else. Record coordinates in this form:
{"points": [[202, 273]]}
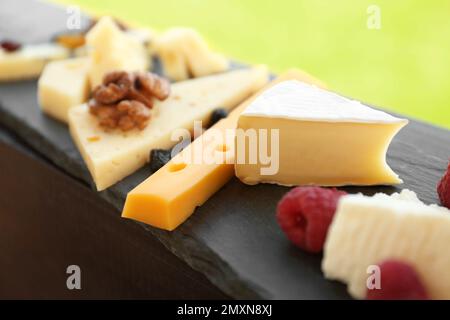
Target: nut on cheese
{"points": [[111, 49], [113, 155], [29, 60], [63, 84], [184, 52], [169, 196], [313, 137], [369, 230]]}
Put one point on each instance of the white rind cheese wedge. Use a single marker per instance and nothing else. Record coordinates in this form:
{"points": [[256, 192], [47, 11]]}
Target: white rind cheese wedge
{"points": [[184, 52], [28, 61], [368, 230], [62, 85], [111, 156], [111, 49], [324, 139]]}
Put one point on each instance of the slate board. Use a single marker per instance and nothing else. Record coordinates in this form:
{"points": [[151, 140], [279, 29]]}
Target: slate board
{"points": [[233, 239]]}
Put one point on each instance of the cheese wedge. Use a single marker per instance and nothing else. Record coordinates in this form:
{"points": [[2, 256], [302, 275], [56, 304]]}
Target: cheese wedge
{"points": [[313, 137], [63, 84], [111, 49], [368, 230], [184, 52], [28, 62], [111, 156], [169, 196]]}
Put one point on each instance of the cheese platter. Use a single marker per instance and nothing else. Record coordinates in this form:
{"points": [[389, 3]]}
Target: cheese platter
{"points": [[225, 227]]}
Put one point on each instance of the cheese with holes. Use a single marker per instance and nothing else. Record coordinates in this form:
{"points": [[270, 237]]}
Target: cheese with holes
{"points": [[111, 49], [184, 52], [113, 155], [170, 195], [62, 85], [368, 230], [28, 61], [299, 134]]}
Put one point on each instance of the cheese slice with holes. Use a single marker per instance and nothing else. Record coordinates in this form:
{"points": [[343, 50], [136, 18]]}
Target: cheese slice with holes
{"points": [[28, 61], [313, 137], [113, 155], [62, 85], [170, 195], [369, 230]]}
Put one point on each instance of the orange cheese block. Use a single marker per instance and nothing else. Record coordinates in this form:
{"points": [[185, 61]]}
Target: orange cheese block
{"points": [[169, 196]]}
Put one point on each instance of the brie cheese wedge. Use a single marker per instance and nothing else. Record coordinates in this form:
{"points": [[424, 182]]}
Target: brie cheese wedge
{"points": [[317, 138]]}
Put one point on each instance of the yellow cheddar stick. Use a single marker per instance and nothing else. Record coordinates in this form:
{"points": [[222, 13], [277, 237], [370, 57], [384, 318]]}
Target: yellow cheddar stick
{"points": [[169, 196]]}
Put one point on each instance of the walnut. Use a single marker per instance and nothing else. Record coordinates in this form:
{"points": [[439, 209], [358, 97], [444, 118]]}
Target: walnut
{"points": [[116, 86], [154, 85], [124, 99]]}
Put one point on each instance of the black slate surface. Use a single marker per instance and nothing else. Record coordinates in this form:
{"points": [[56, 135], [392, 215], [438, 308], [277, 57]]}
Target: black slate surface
{"points": [[233, 238]]}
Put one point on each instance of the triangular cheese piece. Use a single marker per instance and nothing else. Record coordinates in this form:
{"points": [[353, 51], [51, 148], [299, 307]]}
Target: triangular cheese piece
{"points": [[320, 138], [111, 156]]}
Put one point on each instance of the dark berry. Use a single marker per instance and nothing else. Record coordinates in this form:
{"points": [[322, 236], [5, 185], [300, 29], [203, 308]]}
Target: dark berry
{"points": [[10, 46], [443, 188], [217, 115], [158, 158], [398, 281], [305, 213]]}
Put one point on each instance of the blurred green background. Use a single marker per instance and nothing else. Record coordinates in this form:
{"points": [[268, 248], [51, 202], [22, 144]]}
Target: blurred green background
{"points": [[403, 66]]}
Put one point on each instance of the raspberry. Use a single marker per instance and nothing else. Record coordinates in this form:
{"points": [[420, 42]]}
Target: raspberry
{"points": [[399, 281], [443, 188], [305, 213]]}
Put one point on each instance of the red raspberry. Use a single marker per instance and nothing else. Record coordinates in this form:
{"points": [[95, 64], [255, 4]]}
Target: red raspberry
{"points": [[305, 213], [399, 281], [443, 188]]}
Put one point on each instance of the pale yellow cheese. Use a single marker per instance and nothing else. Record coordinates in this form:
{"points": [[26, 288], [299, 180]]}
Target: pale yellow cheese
{"points": [[28, 61], [111, 156], [369, 230], [184, 52], [170, 196], [111, 49], [62, 85], [298, 134]]}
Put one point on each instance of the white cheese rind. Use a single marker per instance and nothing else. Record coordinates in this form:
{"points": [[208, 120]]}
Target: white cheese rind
{"points": [[301, 101], [111, 156], [368, 230]]}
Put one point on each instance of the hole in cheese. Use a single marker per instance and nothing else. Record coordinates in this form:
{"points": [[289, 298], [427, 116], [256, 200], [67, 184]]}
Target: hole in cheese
{"points": [[177, 167]]}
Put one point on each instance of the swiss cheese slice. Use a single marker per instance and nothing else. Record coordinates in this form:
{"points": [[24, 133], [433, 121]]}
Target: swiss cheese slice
{"points": [[113, 155], [366, 231], [169, 196], [317, 138], [28, 61], [62, 85]]}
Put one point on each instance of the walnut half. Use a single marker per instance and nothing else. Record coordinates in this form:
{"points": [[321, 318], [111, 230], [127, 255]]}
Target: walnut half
{"points": [[124, 100]]}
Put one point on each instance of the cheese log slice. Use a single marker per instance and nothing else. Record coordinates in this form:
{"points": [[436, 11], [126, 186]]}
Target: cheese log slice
{"points": [[113, 155], [368, 230], [62, 85], [112, 49], [28, 62], [169, 196], [324, 139]]}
